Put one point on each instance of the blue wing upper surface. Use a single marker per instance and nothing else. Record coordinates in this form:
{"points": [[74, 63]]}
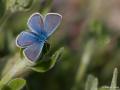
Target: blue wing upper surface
{"points": [[46, 27], [35, 23], [33, 51], [25, 39], [51, 22]]}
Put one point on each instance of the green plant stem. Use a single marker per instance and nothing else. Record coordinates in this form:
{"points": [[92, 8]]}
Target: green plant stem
{"points": [[20, 67], [85, 60], [84, 63], [3, 23], [5, 18]]}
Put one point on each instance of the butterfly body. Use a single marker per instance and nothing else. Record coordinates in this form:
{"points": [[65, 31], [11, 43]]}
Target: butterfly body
{"points": [[42, 38], [40, 29]]}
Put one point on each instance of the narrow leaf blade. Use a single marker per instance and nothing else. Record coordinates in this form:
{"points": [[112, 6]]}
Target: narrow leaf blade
{"points": [[44, 66]]}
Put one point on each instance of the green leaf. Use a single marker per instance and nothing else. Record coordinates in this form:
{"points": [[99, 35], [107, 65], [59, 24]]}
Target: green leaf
{"points": [[21, 53], [96, 27], [16, 84], [104, 88], [44, 66], [114, 80], [2, 7], [91, 83]]}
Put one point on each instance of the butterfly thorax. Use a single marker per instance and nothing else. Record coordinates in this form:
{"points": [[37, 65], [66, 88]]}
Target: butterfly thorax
{"points": [[42, 38]]}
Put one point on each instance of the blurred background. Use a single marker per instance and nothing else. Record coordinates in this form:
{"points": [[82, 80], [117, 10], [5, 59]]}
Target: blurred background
{"points": [[90, 33]]}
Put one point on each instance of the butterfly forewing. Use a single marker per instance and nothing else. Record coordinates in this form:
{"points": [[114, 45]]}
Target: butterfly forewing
{"points": [[35, 23], [51, 22]]}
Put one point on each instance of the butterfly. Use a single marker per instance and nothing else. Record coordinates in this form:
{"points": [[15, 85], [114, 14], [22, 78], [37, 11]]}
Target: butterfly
{"points": [[40, 29]]}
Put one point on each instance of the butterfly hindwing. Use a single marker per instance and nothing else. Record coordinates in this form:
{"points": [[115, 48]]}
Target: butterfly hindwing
{"points": [[25, 39], [33, 51], [51, 22]]}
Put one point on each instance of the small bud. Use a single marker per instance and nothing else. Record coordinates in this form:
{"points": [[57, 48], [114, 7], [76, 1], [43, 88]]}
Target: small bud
{"points": [[18, 5]]}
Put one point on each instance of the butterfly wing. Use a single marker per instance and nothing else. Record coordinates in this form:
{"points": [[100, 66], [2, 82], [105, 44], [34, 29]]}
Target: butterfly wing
{"points": [[35, 23], [51, 22], [25, 39], [33, 51]]}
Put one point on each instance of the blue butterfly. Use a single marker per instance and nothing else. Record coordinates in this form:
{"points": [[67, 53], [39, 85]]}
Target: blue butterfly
{"points": [[40, 29]]}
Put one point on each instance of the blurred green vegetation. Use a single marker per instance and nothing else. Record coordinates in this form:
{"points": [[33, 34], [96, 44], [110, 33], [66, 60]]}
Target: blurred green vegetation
{"points": [[91, 46]]}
